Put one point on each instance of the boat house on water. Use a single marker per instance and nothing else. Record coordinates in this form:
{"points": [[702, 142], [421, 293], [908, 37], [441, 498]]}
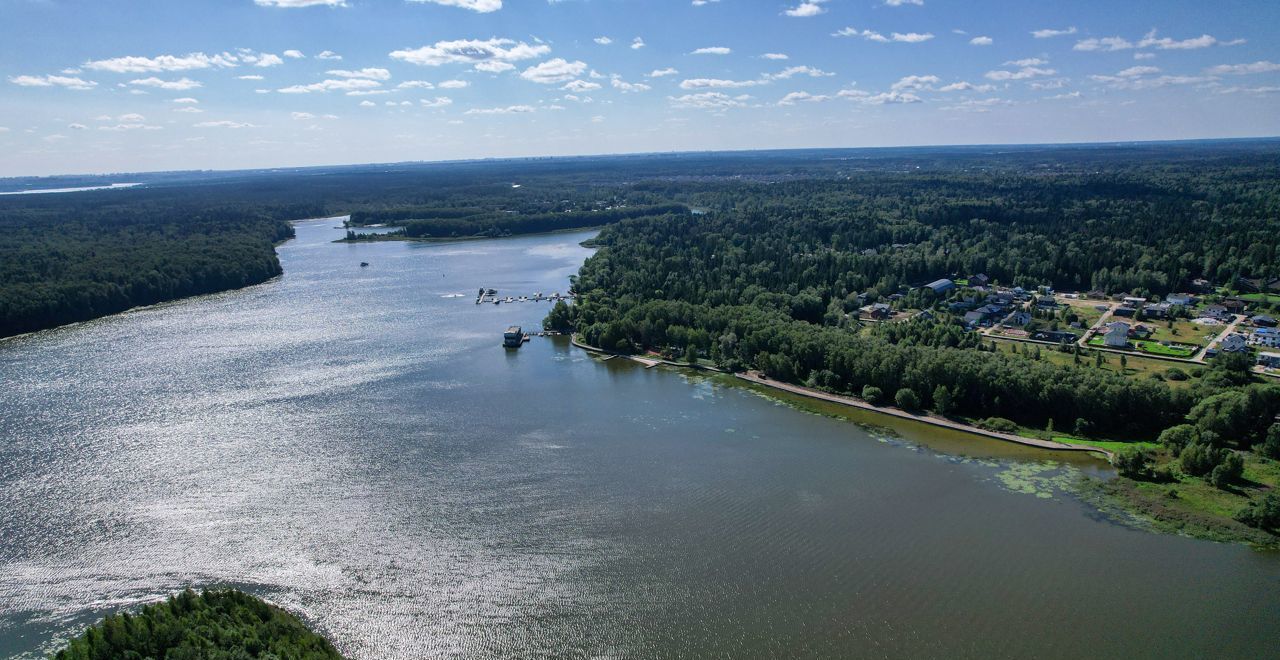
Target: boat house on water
{"points": [[513, 337]]}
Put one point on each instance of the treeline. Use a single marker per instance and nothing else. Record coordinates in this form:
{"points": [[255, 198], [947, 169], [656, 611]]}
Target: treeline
{"points": [[77, 264], [213, 625], [509, 224]]}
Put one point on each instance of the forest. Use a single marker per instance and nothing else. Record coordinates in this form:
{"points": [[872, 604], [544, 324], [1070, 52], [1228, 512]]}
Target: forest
{"points": [[213, 625]]}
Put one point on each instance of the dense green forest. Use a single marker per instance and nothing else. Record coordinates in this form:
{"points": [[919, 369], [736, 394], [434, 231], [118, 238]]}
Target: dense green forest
{"points": [[417, 222], [212, 625]]}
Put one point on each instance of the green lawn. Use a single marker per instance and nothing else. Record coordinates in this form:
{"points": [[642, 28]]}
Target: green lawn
{"points": [[1184, 332], [1156, 348], [1137, 366]]}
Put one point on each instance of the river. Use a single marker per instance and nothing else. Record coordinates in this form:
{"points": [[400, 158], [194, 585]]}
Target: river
{"points": [[355, 445]]}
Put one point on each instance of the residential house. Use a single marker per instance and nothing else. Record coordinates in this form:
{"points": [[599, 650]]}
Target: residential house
{"points": [[1018, 319], [1117, 334], [878, 311], [1124, 310], [1267, 337], [979, 280], [1233, 343], [1263, 321], [1235, 305], [1201, 286], [1134, 301], [1158, 310], [1270, 360], [1215, 312], [1184, 299]]}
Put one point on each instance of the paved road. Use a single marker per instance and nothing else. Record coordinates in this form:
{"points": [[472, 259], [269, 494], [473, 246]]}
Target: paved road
{"points": [[1200, 357]]}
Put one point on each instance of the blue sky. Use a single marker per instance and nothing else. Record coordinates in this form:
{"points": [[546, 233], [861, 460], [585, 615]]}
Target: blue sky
{"points": [[103, 86]]}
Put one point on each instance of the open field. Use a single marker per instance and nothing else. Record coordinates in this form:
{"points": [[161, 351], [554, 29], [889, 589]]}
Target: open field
{"points": [[1138, 366], [1184, 332]]}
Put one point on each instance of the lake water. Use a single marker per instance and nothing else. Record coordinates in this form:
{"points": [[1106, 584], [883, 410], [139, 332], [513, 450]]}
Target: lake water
{"points": [[355, 445]]}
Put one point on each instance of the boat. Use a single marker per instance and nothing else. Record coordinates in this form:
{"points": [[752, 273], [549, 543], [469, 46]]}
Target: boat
{"points": [[364, 264]]}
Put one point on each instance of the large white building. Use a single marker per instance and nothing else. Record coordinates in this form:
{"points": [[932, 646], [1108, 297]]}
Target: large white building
{"points": [[1117, 334]]}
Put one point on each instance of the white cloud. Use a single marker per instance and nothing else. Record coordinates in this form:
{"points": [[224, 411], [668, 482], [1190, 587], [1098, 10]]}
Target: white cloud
{"points": [[53, 81], [965, 86], [293, 54], [508, 110], [603, 41], [1144, 56], [709, 101], [883, 98], [189, 109], [481, 6], [775, 56], [290, 4], [184, 100], [181, 84], [658, 73], [249, 77], [618, 83], [77, 127], [795, 97], [344, 85], [712, 50], [1050, 32], [1027, 61], [135, 126], [871, 35], [302, 115], [637, 43], [915, 82], [806, 9], [454, 84], [900, 3], [981, 41], [793, 71], [716, 83], [699, 3], [328, 55], [490, 55], [578, 86], [135, 64], [1021, 74], [368, 104], [437, 102], [1261, 66], [224, 124], [1150, 40], [415, 84], [556, 70], [1135, 71], [369, 73]]}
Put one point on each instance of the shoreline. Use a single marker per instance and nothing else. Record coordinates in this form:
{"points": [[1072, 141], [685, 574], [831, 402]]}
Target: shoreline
{"points": [[756, 379]]}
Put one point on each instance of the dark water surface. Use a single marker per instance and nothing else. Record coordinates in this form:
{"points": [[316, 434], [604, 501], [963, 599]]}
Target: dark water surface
{"points": [[355, 446]]}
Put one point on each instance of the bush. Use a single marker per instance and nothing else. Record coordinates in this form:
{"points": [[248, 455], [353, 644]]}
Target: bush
{"points": [[1174, 373], [1083, 427], [1271, 446], [1132, 462], [1177, 438], [872, 394], [1199, 459], [998, 424], [1228, 471], [1263, 513], [907, 399]]}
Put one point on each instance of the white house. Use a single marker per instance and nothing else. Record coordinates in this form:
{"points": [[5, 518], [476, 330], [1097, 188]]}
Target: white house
{"points": [[1117, 334], [1232, 343], [1184, 299]]}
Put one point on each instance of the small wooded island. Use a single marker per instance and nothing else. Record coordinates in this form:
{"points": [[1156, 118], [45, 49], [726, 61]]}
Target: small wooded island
{"points": [[215, 624]]}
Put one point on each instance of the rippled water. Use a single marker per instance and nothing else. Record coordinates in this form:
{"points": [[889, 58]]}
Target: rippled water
{"points": [[353, 444]]}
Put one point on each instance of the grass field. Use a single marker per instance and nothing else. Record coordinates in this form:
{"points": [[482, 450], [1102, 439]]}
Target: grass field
{"points": [[1184, 332], [1156, 348], [1085, 310], [1138, 366]]}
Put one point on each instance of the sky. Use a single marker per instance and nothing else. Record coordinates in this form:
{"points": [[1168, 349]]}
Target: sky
{"points": [[95, 86]]}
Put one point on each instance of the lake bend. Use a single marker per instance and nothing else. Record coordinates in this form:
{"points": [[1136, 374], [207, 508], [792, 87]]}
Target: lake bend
{"points": [[354, 444]]}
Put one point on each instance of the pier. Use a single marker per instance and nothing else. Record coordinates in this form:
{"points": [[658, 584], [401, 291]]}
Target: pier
{"points": [[491, 296]]}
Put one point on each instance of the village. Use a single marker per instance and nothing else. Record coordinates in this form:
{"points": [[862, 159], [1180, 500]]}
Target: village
{"points": [[1153, 335]]}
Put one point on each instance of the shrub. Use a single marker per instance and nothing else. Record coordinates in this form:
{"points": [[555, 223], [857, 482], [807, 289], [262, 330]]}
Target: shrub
{"points": [[1132, 462], [1177, 438], [907, 399], [1228, 471], [1199, 459], [1263, 513], [872, 394], [998, 424], [1271, 446], [1174, 373]]}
